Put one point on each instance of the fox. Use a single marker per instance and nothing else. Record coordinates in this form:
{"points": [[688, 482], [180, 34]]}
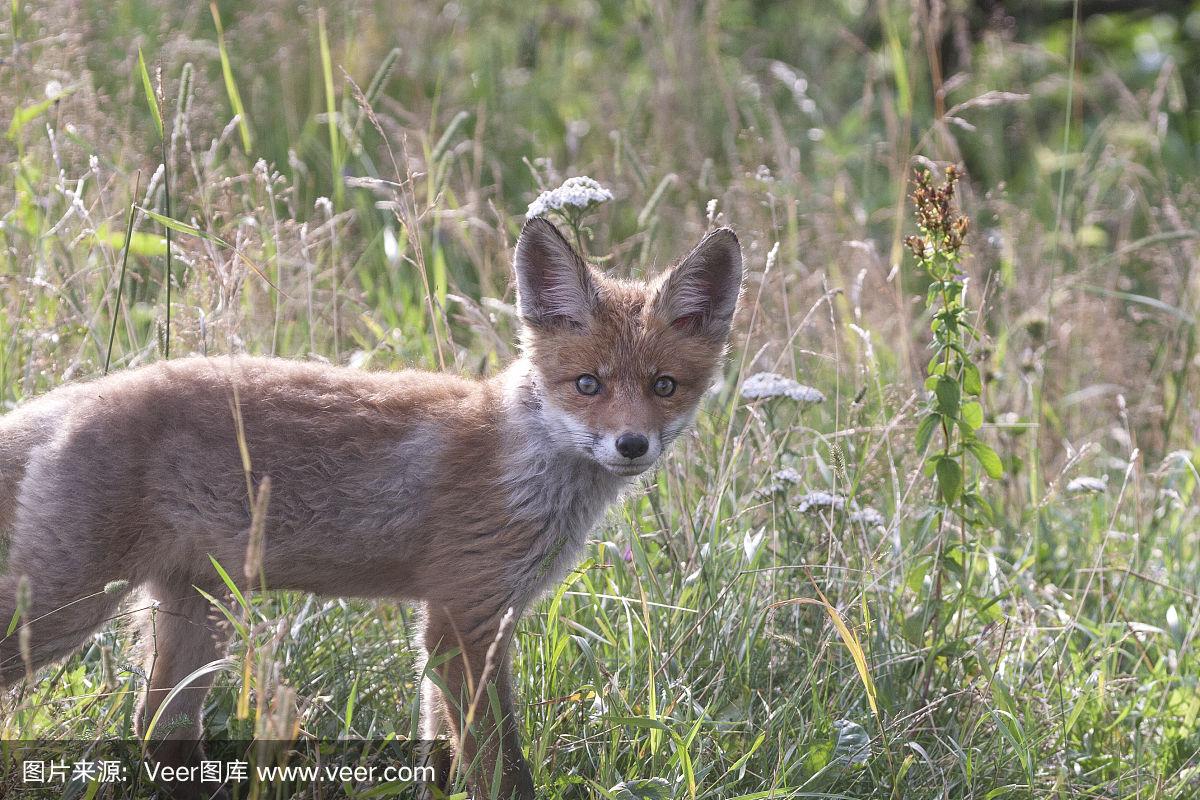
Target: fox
{"points": [[468, 497]]}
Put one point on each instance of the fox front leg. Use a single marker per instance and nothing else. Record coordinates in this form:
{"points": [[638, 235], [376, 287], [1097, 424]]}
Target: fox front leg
{"points": [[476, 670]]}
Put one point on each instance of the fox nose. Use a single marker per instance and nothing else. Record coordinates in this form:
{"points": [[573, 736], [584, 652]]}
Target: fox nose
{"points": [[632, 445]]}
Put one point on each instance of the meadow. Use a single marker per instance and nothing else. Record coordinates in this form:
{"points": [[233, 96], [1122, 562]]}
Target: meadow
{"points": [[802, 601]]}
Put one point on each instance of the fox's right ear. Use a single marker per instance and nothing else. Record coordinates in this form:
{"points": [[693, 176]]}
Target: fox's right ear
{"points": [[554, 285]]}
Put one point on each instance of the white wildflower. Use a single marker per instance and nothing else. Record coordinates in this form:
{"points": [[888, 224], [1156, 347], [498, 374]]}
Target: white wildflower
{"points": [[711, 210], [1086, 483], [821, 501], [780, 481], [867, 516], [54, 90], [787, 475], [836, 503], [576, 194], [770, 384]]}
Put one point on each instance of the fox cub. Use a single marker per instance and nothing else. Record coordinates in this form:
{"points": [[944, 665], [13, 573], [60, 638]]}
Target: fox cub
{"points": [[470, 497]]}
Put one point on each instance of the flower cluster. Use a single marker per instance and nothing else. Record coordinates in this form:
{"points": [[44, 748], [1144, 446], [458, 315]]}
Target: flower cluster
{"points": [[828, 501], [821, 501], [780, 481], [574, 197], [1086, 483], [770, 384], [943, 227], [867, 516]]}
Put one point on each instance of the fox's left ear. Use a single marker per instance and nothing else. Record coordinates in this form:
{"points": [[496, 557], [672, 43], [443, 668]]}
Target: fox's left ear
{"points": [[700, 295]]}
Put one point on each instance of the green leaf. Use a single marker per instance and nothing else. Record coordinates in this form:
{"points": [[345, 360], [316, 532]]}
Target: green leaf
{"points": [[915, 579], [181, 227], [987, 459], [229, 583], [443, 144], [949, 477], [972, 415], [140, 244], [238, 626], [948, 396], [912, 628], [638, 722], [350, 701], [231, 90], [647, 212], [977, 501], [26, 115], [151, 100], [643, 789], [925, 431], [331, 109], [971, 382]]}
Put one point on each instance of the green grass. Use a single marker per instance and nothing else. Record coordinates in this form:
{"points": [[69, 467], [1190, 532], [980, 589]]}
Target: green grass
{"points": [[1049, 652]]}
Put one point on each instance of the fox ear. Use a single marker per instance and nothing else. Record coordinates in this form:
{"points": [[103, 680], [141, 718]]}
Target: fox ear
{"points": [[554, 285], [700, 295]]}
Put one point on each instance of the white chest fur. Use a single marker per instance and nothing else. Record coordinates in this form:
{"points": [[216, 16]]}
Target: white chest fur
{"points": [[559, 497]]}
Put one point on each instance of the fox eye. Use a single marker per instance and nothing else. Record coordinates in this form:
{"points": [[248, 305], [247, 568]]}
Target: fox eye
{"points": [[588, 384], [664, 386]]}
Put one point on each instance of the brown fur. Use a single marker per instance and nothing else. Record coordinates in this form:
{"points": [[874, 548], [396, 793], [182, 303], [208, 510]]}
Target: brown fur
{"points": [[470, 497]]}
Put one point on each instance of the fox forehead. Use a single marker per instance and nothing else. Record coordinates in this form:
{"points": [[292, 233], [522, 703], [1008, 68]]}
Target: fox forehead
{"points": [[623, 339]]}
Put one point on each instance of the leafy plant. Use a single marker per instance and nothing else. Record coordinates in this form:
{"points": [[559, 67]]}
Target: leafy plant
{"points": [[953, 380]]}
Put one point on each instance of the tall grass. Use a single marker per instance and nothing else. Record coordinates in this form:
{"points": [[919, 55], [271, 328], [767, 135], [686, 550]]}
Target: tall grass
{"points": [[742, 627]]}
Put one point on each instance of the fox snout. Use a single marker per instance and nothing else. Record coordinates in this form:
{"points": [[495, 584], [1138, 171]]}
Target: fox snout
{"points": [[632, 445], [628, 453]]}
